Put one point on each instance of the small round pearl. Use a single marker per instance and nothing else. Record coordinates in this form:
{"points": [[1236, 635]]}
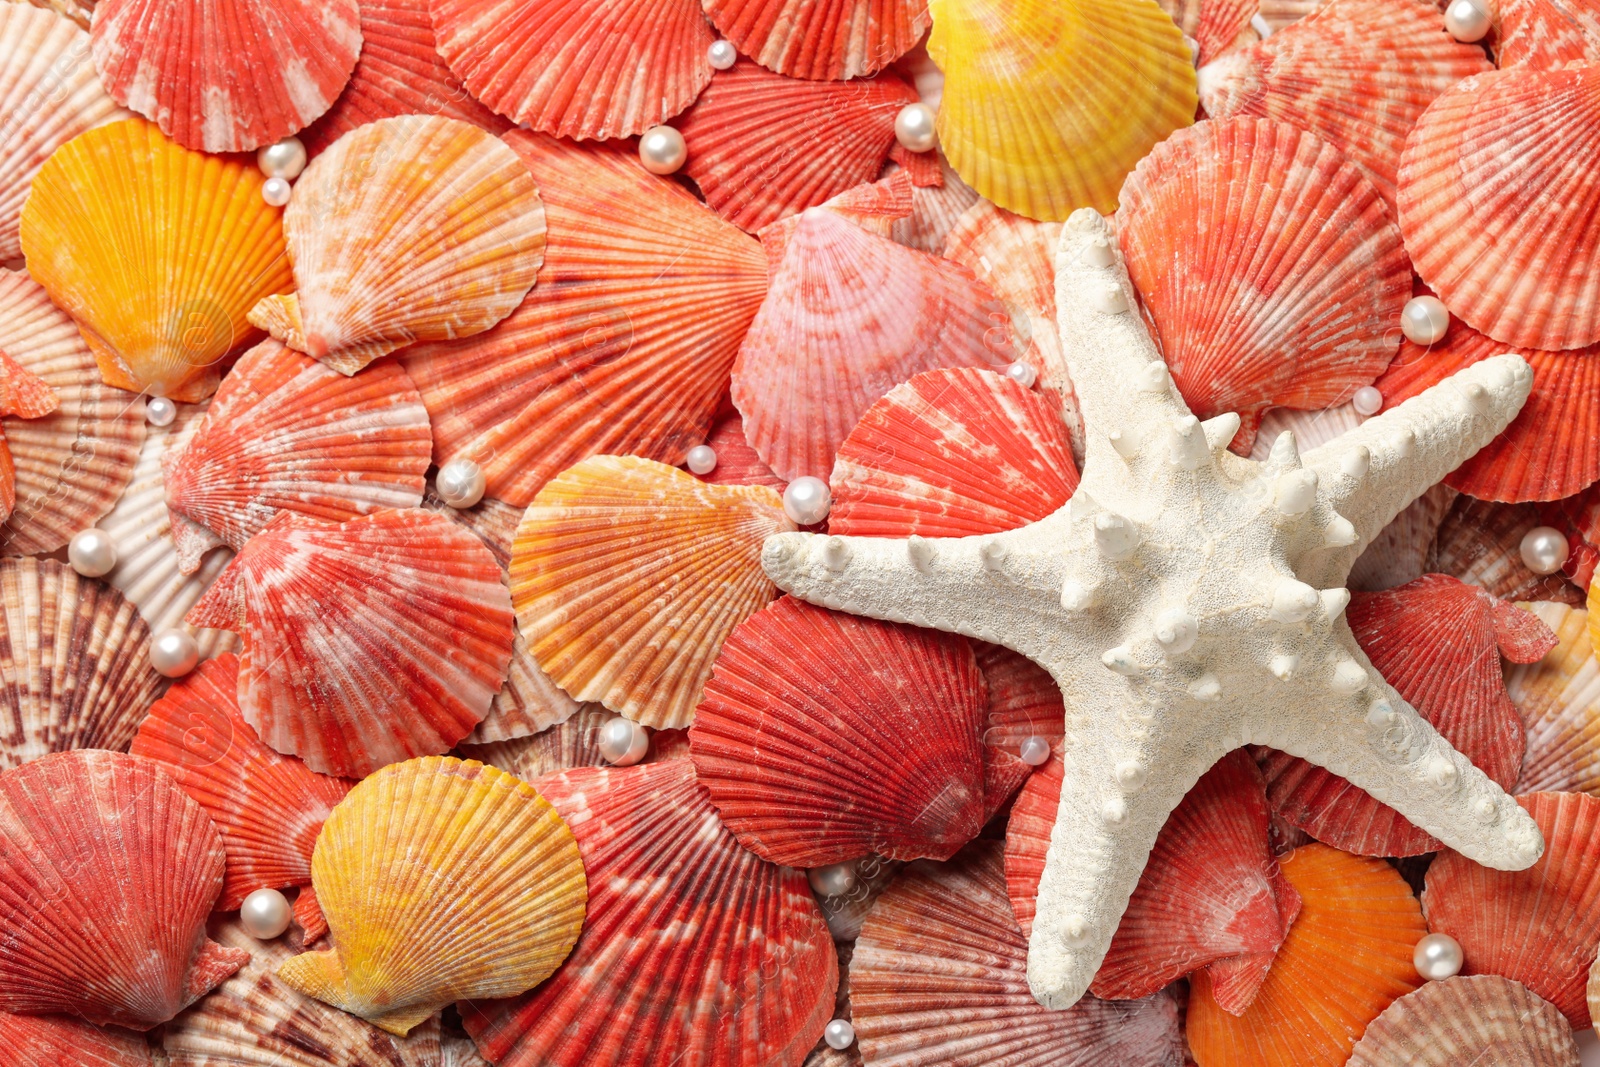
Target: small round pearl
{"points": [[722, 55], [662, 150], [174, 653], [1022, 373], [1437, 957], [807, 500], [265, 914], [702, 459], [285, 160], [275, 191], [1468, 21], [1035, 750], [623, 742], [834, 880], [160, 411], [1544, 549], [914, 128], [1424, 320], [460, 483], [92, 553], [1367, 400], [839, 1035]]}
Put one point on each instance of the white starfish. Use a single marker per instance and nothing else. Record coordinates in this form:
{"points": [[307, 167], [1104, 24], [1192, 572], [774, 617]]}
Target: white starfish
{"points": [[1188, 602]]}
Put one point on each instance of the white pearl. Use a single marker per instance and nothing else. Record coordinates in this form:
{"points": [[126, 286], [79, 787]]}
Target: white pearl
{"points": [[286, 159], [702, 459], [722, 55], [623, 742], [834, 880], [275, 191], [173, 653], [914, 128], [1022, 373], [1367, 400], [807, 500], [460, 483], [1035, 750], [662, 150], [265, 914], [1544, 549], [1437, 957], [92, 553], [1424, 320], [160, 411], [1468, 21], [839, 1035]]}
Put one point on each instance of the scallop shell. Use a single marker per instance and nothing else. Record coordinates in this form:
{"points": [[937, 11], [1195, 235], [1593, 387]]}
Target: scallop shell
{"points": [[1024, 701], [107, 874], [79, 11], [691, 944], [1215, 26], [1579, 518], [73, 654], [578, 68], [22, 392], [1483, 1020], [935, 210], [1047, 106], [1540, 926], [1311, 429], [800, 737], [1299, 319], [628, 575], [740, 135], [846, 913], [821, 1054], [1439, 643], [939, 975], [952, 453], [572, 743], [403, 661], [642, 301], [1346, 959], [157, 251], [737, 462], [412, 228], [1280, 13], [460, 1052], [1559, 697], [54, 1040], [1480, 543], [409, 838], [830, 42], [1546, 34], [1399, 554]]}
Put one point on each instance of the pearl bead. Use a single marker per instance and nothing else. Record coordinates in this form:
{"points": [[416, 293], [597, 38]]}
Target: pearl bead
{"points": [[1367, 400], [702, 459], [1437, 957], [1424, 320], [285, 160], [662, 150], [839, 1035], [914, 128], [1468, 21], [265, 914], [1022, 373], [623, 742], [1544, 550], [834, 880], [722, 55], [1035, 750], [460, 483], [160, 411], [92, 553], [807, 500], [275, 191], [173, 653]]}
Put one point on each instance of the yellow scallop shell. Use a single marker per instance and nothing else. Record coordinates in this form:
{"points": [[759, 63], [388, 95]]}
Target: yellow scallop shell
{"points": [[441, 880], [1048, 104]]}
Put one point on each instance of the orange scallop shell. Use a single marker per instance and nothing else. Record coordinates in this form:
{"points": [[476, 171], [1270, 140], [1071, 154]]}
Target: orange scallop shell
{"points": [[1215, 26], [54, 1040], [1546, 34], [1483, 1020], [1559, 697], [830, 42], [25, 395]]}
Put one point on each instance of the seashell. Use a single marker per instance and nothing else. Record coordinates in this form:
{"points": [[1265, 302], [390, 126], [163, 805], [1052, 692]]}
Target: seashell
{"points": [[1520, 263], [821, 1054], [741, 139], [490, 843], [574, 742], [460, 1052], [107, 874], [79, 11], [25, 395], [908, 466], [585, 69], [643, 299], [1540, 926], [939, 975], [1480, 543], [1048, 106], [935, 210], [1559, 697], [255, 1019], [1579, 518], [848, 316], [73, 654], [1356, 73], [1004, 775], [1024, 701], [161, 263], [1215, 26], [1346, 959], [846, 913], [660, 865], [613, 561], [1399, 554], [1280, 13], [801, 738], [1546, 34], [823, 42], [1311, 429], [400, 72], [350, 684], [52, 1040], [1482, 1019], [286, 433], [1301, 321], [737, 462]]}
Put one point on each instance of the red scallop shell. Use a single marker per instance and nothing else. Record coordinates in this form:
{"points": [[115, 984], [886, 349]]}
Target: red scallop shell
{"points": [[1480, 543], [57, 1040], [1024, 701], [1216, 26], [822, 41], [1579, 518], [1546, 34], [737, 462]]}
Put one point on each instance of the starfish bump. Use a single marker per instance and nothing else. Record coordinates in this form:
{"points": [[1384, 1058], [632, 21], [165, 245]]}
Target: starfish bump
{"points": [[1188, 601]]}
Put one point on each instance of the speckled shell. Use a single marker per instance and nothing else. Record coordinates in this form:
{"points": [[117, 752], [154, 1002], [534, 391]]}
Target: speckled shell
{"points": [[627, 576], [107, 874], [578, 68], [939, 975], [441, 880], [737, 462], [826, 41], [641, 304], [1399, 553], [412, 228], [1215, 26], [1024, 701], [1559, 697], [1500, 204], [365, 642], [1480, 543], [54, 1040], [1579, 518], [572, 743], [1047, 105], [1546, 34], [1484, 1020], [752, 987], [460, 1052]]}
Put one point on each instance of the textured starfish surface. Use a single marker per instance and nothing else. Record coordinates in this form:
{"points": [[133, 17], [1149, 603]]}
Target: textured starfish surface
{"points": [[1188, 601]]}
